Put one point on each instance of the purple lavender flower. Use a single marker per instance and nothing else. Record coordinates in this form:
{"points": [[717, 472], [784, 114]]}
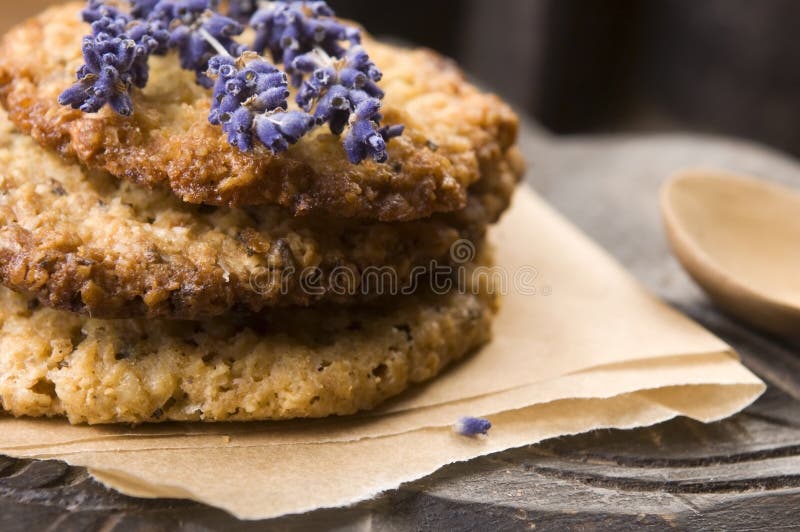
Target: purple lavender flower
{"points": [[256, 85], [242, 10], [197, 33], [337, 84], [345, 93], [115, 58], [111, 22], [472, 426], [250, 101], [142, 8], [291, 29], [365, 140], [278, 130], [97, 9], [150, 34], [107, 76]]}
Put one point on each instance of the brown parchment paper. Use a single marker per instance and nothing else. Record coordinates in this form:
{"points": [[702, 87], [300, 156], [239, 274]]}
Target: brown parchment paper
{"points": [[579, 345]]}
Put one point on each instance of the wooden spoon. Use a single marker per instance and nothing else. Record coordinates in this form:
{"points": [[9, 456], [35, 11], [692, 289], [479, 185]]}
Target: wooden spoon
{"points": [[739, 238]]}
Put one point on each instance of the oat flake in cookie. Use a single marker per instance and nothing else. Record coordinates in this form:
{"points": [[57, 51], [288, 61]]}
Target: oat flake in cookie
{"points": [[452, 130], [279, 365], [87, 242]]}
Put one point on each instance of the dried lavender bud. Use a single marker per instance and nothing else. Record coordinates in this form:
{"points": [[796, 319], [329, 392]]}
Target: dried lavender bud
{"points": [[239, 127], [344, 92], [152, 35], [277, 131], [107, 76], [105, 19], [198, 34], [361, 73], [97, 9], [248, 82], [291, 29], [142, 8], [313, 87], [364, 140], [250, 100], [472, 426], [334, 107], [242, 10]]}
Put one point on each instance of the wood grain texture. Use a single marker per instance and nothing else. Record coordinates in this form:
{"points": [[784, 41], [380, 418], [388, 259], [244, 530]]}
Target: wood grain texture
{"points": [[740, 474]]}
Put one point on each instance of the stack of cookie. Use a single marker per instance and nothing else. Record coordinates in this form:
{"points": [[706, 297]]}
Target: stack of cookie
{"points": [[155, 272]]}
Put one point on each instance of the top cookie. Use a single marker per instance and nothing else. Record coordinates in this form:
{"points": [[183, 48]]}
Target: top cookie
{"points": [[451, 128]]}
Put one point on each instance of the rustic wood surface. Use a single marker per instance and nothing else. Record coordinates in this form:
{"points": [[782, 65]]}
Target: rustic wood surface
{"points": [[739, 474]]}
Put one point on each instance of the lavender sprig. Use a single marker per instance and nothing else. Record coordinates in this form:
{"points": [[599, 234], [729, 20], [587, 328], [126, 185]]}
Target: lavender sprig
{"points": [[105, 78], [345, 92], [250, 99], [97, 9], [337, 83], [198, 34], [115, 58], [293, 28]]}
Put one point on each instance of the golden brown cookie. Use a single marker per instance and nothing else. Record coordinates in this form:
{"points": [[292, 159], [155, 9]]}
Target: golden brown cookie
{"points": [[452, 129], [90, 243], [311, 362]]}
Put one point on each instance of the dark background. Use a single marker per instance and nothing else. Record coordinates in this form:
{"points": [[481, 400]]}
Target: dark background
{"points": [[715, 66]]}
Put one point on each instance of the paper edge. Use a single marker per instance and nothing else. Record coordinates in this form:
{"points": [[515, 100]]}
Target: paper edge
{"points": [[750, 393]]}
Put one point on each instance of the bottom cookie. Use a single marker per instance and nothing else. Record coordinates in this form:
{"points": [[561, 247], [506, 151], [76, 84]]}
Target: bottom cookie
{"points": [[291, 363]]}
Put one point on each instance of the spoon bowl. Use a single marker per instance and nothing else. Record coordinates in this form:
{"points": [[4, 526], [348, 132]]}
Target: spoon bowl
{"points": [[739, 239]]}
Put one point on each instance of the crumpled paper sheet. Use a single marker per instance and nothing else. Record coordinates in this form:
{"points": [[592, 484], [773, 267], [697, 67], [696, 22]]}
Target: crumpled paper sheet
{"points": [[590, 349]]}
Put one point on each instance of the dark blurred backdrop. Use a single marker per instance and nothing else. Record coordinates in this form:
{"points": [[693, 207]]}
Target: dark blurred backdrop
{"points": [[716, 66]]}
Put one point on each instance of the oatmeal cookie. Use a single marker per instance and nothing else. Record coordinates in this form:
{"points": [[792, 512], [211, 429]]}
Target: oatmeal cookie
{"points": [[87, 242], [452, 129], [282, 364]]}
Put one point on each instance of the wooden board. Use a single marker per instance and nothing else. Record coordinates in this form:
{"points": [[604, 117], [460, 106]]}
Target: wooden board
{"points": [[740, 474]]}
